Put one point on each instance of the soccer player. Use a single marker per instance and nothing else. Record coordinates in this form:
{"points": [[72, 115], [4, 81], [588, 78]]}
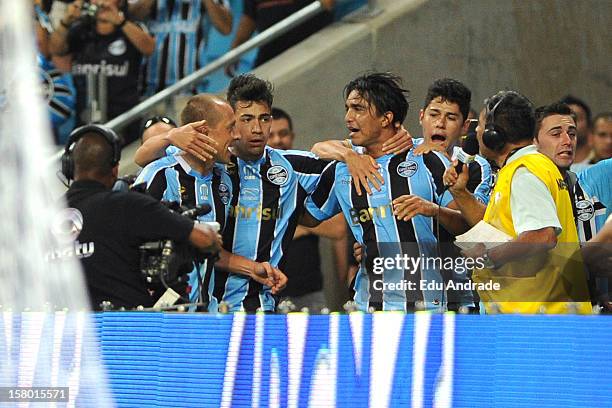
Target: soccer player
{"points": [[185, 179], [269, 189], [375, 104]]}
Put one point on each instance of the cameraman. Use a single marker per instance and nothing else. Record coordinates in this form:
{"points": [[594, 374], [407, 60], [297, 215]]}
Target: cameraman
{"points": [[100, 38], [110, 225]]}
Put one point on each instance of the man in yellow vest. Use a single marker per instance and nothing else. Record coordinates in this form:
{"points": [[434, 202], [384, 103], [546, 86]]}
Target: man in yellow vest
{"points": [[539, 270]]}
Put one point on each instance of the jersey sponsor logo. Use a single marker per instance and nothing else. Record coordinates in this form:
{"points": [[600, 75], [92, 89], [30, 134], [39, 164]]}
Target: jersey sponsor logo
{"points": [[258, 213], [345, 180], [117, 48], [204, 192], [111, 70], [360, 215], [585, 210], [407, 168], [277, 175], [224, 193]]}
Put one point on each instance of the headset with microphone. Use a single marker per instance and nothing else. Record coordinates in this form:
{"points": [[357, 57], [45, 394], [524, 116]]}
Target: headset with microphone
{"points": [[493, 136], [109, 135]]}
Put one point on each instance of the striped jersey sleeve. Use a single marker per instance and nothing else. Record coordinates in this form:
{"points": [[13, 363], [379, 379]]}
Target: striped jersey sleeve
{"points": [[323, 202], [307, 166], [479, 183], [436, 163]]}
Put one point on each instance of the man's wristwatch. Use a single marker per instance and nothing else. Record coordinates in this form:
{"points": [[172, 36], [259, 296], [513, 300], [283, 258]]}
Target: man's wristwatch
{"points": [[487, 262]]}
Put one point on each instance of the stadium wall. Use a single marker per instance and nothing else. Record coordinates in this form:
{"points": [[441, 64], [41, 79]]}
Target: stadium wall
{"points": [[544, 48]]}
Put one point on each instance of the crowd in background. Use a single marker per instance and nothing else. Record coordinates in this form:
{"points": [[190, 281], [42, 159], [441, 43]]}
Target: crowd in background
{"points": [[101, 57]]}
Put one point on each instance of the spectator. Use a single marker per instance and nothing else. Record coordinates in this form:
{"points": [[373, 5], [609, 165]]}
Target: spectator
{"points": [[262, 14], [583, 125], [180, 34], [58, 88], [107, 42], [601, 137]]}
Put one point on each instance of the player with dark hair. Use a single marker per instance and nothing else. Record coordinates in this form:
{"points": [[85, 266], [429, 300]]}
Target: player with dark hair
{"points": [[375, 104], [269, 188]]}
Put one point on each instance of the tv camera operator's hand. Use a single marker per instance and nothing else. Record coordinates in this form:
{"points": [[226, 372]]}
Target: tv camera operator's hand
{"points": [[268, 275], [456, 183], [205, 238], [193, 138]]}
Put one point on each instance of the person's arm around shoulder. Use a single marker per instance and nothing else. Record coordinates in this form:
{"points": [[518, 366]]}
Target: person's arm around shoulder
{"points": [[191, 138], [363, 168]]}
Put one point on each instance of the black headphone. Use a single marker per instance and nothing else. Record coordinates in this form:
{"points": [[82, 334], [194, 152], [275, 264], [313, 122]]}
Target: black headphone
{"points": [[108, 134], [494, 137]]}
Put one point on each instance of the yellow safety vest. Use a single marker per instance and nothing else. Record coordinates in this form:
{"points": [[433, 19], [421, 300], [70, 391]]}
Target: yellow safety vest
{"points": [[553, 282]]}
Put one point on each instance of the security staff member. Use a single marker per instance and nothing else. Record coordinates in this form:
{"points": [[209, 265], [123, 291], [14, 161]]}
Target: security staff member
{"points": [[111, 225]]}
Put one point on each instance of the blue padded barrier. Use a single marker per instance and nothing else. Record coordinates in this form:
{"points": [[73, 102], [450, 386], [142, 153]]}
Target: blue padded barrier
{"points": [[184, 360], [297, 360]]}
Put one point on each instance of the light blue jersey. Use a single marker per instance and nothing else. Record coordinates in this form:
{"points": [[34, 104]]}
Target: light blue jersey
{"points": [[267, 201], [593, 199], [172, 179], [373, 225]]}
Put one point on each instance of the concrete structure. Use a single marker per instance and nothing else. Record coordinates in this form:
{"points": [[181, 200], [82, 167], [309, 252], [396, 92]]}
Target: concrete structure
{"points": [[543, 48]]}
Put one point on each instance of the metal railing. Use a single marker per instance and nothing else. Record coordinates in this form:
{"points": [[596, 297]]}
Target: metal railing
{"points": [[260, 39]]}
